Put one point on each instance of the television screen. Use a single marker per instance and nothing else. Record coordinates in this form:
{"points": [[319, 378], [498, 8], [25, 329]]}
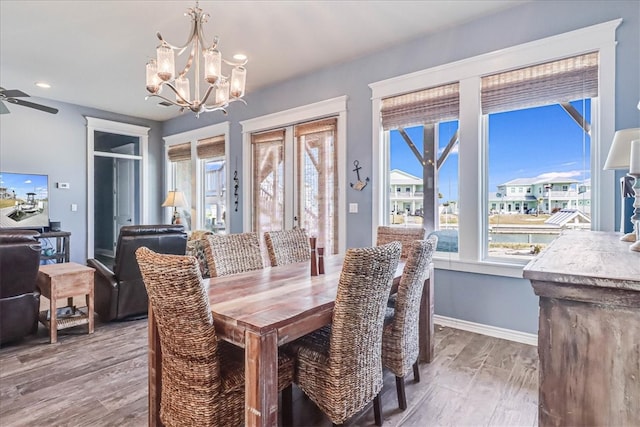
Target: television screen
{"points": [[24, 200]]}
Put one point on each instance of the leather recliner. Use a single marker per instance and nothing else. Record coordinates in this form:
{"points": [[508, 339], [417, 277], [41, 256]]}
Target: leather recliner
{"points": [[120, 294], [19, 295]]}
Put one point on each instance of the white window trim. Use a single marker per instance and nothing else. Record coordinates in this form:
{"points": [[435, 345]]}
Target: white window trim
{"points": [[197, 186], [118, 128], [329, 107], [600, 37]]}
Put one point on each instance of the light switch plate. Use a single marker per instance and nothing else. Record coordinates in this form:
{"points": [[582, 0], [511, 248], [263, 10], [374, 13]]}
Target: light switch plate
{"points": [[353, 208]]}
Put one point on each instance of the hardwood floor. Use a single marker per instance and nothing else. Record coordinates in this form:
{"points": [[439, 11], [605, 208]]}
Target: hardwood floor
{"points": [[101, 380]]}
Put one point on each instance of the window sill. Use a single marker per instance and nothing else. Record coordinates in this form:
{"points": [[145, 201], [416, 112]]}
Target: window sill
{"points": [[492, 268]]}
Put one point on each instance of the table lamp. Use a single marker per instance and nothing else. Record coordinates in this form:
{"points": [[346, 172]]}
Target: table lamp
{"points": [[625, 153], [176, 200]]}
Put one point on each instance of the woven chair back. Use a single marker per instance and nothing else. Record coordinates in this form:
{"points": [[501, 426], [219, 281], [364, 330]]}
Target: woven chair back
{"points": [[287, 246], [190, 373], [355, 361], [233, 253], [404, 235], [401, 336]]}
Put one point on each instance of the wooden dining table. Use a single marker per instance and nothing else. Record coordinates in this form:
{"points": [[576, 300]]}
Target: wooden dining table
{"points": [[263, 309]]}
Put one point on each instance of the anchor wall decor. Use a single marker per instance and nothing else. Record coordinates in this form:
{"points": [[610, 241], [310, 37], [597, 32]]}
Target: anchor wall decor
{"points": [[359, 185]]}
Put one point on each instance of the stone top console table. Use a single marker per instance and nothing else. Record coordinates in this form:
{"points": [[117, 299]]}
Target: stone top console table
{"points": [[589, 330]]}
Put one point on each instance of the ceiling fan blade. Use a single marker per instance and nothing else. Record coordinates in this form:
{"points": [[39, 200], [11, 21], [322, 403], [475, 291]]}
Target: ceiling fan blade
{"points": [[14, 93], [3, 108], [33, 105]]}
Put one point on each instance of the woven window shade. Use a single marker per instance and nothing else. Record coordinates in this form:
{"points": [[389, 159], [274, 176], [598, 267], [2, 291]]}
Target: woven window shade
{"points": [[268, 184], [564, 80], [325, 125], [179, 152], [210, 147], [422, 107]]}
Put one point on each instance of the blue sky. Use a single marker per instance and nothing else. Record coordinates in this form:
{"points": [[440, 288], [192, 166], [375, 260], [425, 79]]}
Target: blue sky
{"points": [[23, 184], [529, 143]]}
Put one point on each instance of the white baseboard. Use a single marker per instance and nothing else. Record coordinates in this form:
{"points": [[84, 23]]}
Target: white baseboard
{"points": [[492, 331]]}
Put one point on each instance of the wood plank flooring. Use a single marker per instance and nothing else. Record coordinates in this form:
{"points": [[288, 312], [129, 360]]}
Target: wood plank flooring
{"points": [[101, 380]]}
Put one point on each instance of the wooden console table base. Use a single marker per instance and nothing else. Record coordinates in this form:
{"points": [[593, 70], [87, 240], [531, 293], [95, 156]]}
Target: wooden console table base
{"points": [[66, 280], [589, 332]]}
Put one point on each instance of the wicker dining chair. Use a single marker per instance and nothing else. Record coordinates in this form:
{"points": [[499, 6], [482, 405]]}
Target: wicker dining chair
{"points": [[406, 236], [202, 377], [287, 246], [233, 253], [340, 366], [400, 346]]}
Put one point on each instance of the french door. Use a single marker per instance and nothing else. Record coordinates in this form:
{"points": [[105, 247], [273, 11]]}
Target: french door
{"points": [[295, 182]]}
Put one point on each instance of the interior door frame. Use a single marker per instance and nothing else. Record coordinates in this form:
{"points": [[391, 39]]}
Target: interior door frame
{"points": [[142, 132]]}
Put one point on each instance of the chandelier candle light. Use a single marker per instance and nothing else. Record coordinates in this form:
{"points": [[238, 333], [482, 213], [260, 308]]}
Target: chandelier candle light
{"points": [[220, 88]]}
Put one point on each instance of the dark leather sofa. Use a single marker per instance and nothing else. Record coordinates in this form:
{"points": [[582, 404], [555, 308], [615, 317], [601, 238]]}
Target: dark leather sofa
{"points": [[120, 294], [19, 297]]}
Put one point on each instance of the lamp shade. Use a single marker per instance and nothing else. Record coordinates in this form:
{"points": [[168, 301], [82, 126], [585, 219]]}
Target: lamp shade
{"points": [[620, 152], [175, 199]]}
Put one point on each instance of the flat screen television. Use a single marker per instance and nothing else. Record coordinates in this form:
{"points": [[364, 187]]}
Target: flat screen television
{"points": [[24, 200]]}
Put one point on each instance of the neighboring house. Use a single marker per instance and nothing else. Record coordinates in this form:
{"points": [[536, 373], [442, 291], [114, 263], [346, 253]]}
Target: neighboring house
{"points": [[406, 194], [524, 195]]}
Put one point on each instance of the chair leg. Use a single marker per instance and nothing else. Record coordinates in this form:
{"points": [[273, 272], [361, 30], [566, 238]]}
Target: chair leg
{"points": [[402, 398], [416, 372], [377, 410], [287, 406]]}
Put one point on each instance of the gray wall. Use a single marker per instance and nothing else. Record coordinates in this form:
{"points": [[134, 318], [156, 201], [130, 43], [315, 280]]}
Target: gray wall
{"points": [[56, 145], [35, 142]]}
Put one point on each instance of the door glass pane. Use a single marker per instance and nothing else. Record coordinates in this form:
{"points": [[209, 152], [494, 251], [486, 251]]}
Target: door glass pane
{"points": [[268, 194], [317, 195], [182, 182], [215, 194]]}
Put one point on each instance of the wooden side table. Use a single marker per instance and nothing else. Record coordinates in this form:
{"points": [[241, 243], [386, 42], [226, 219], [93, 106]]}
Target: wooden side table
{"points": [[65, 280]]}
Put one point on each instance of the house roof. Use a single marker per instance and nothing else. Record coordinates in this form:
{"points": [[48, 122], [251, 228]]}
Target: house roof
{"points": [[540, 180], [398, 177], [565, 216]]}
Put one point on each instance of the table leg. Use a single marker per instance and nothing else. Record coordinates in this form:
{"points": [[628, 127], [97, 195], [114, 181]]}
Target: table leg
{"points": [[89, 298], [53, 317], [426, 327], [261, 379]]}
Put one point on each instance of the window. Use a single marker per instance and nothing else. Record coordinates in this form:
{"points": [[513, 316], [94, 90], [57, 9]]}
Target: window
{"points": [[544, 105], [421, 137], [483, 139], [197, 166], [213, 170], [294, 172]]}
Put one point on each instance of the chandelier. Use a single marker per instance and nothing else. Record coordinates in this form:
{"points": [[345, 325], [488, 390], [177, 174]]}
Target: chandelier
{"points": [[220, 89]]}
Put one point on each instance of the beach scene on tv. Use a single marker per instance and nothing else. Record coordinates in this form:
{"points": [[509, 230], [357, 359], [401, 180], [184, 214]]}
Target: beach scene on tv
{"points": [[24, 200]]}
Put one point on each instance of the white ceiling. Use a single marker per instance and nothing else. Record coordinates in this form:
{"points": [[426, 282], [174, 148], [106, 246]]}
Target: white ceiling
{"points": [[94, 52]]}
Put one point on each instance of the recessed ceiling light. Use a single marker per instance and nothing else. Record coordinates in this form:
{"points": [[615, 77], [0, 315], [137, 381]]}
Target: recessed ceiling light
{"points": [[43, 85], [239, 57]]}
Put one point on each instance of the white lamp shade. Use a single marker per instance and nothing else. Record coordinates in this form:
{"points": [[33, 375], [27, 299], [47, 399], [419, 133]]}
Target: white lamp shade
{"points": [[175, 199], [620, 152]]}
